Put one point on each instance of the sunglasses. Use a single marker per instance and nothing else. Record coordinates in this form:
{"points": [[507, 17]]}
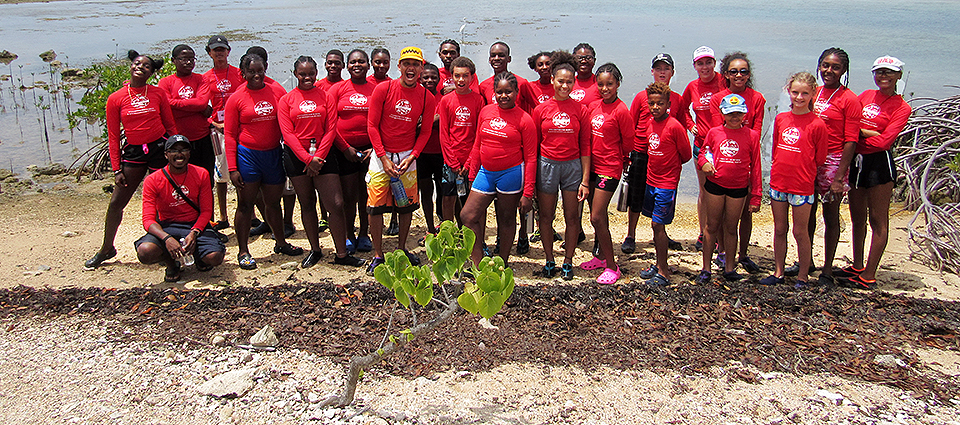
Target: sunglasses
{"points": [[743, 71], [584, 57]]}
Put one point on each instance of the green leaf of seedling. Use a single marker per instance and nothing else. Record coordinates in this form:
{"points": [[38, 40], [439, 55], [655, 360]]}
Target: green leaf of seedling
{"points": [[506, 277], [407, 286], [447, 238], [402, 296], [400, 262], [440, 271], [408, 334], [424, 295], [380, 352], [434, 249], [488, 281], [392, 339], [469, 238], [360, 375], [487, 306], [468, 301], [448, 225], [383, 275], [508, 288], [498, 263]]}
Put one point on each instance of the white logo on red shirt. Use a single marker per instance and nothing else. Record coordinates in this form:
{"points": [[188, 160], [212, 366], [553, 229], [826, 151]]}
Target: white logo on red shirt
{"points": [[542, 98], [263, 108], [871, 111], [462, 114], [790, 135], [705, 98], [139, 101], [819, 106], [654, 140], [308, 106], [224, 86], [597, 121], [729, 148], [578, 94], [176, 196], [185, 92], [403, 107], [498, 123], [561, 120], [358, 99]]}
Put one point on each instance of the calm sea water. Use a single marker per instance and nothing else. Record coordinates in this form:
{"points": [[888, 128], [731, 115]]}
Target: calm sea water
{"points": [[779, 38]]}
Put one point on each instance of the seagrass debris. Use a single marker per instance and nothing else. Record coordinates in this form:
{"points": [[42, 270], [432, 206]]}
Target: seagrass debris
{"points": [[927, 154]]}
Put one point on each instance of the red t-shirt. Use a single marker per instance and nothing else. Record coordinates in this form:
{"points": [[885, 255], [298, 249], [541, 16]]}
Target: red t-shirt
{"points": [[306, 115], [458, 126], [352, 103], [526, 100], [840, 109], [505, 139], [162, 203], [433, 144], [887, 115], [668, 148], [188, 98], [640, 112], [325, 84], [394, 113], [612, 138], [446, 80], [698, 95], [799, 146], [541, 92], [563, 129], [736, 158], [585, 91], [754, 115], [144, 114], [250, 119], [222, 83], [373, 79]]}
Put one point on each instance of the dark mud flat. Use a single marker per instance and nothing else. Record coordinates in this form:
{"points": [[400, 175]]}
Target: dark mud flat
{"points": [[688, 328]]}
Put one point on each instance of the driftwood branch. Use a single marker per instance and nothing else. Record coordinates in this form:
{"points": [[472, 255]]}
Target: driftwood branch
{"points": [[361, 363]]}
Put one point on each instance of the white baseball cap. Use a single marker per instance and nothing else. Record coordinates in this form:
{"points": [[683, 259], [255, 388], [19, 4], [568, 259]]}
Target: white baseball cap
{"points": [[888, 62], [703, 52]]}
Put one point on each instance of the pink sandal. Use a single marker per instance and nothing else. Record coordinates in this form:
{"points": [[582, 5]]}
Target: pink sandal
{"points": [[593, 264], [609, 276]]}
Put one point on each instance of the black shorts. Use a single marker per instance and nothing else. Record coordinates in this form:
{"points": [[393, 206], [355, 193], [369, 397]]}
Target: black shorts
{"points": [[604, 183], [294, 167], [638, 181], [448, 183], [348, 167], [872, 169], [149, 155], [430, 166], [207, 241], [201, 154], [717, 190]]}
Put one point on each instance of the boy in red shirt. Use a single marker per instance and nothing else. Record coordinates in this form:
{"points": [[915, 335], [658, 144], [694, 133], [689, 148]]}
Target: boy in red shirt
{"points": [[458, 114], [668, 149], [168, 218], [430, 161], [395, 108], [448, 52], [222, 80], [499, 60]]}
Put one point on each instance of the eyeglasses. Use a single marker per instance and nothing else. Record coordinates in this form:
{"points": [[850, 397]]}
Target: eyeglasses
{"points": [[584, 58], [884, 72], [178, 151], [743, 71]]}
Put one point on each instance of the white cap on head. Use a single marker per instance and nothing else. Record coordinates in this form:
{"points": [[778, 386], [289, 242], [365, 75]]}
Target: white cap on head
{"points": [[888, 62], [703, 52]]}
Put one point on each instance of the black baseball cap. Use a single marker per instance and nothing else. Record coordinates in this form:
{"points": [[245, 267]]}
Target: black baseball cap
{"points": [[217, 41], [173, 140], [662, 57]]}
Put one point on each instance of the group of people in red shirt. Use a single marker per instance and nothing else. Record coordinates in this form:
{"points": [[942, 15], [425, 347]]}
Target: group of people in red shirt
{"points": [[439, 132]]}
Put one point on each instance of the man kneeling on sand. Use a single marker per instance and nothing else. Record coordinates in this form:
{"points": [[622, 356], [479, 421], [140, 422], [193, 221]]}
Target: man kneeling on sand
{"points": [[177, 207]]}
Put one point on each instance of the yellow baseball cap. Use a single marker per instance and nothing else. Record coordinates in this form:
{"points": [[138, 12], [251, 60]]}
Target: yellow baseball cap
{"points": [[411, 52]]}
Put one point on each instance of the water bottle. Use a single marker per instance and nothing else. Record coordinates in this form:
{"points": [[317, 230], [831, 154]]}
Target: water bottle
{"points": [[708, 155], [399, 193], [461, 186], [187, 258], [313, 147], [623, 197], [529, 220]]}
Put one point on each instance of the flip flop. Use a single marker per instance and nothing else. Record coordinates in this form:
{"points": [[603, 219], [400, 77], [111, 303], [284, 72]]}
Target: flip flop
{"points": [[594, 263], [609, 276]]}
